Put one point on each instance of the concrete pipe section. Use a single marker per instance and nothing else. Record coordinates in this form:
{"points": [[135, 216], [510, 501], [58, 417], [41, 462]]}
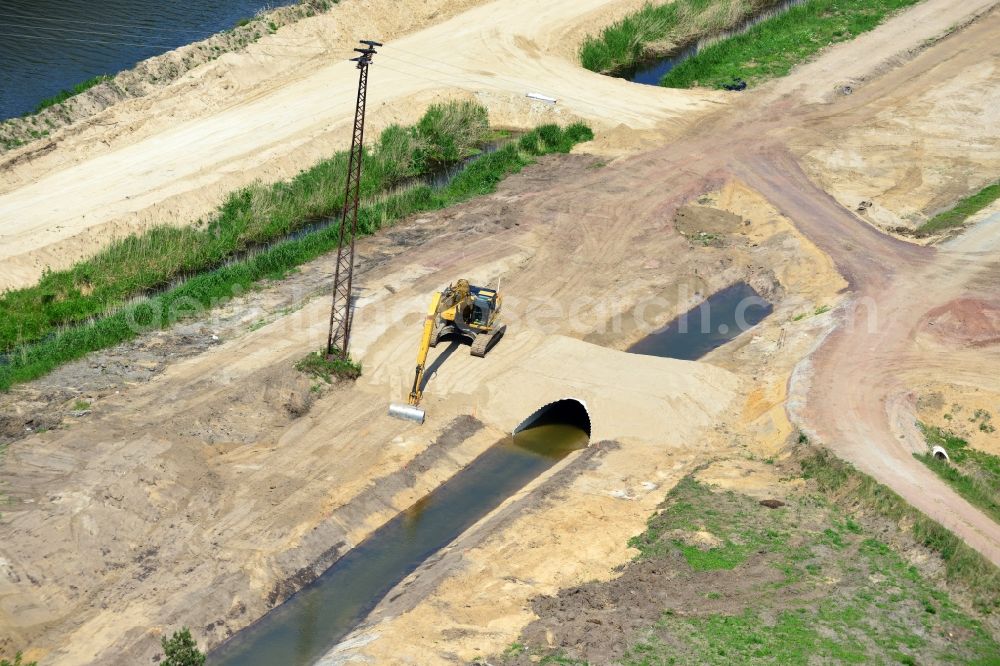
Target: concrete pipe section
{"points": [[940, 453]]}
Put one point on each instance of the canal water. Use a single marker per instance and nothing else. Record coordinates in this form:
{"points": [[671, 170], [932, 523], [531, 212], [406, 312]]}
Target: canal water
{"points": [[652, 72], [725, 315], [312, 621], [47, 46]]}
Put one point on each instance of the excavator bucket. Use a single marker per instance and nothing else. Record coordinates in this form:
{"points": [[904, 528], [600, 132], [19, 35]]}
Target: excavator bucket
{"points": [[406, 412]]}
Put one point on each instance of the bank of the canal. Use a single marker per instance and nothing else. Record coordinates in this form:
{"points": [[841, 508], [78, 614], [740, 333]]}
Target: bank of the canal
{"points": [[303, 628]]}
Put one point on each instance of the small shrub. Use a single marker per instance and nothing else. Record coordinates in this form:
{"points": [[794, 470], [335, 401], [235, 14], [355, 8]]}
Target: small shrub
{"points": [[451, 131], [529, 143], [551, 135], [318, 365], [579, 133], [181, 650]]}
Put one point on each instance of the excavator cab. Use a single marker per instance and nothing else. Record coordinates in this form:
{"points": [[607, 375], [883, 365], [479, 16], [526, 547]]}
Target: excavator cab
{"points": [[484, 304]]}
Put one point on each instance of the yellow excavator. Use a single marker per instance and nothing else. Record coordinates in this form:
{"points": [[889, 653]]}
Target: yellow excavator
{"points": [[462, 310]]}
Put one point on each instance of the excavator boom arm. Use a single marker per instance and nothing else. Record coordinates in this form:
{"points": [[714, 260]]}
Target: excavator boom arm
{"points": [[425, 343]]}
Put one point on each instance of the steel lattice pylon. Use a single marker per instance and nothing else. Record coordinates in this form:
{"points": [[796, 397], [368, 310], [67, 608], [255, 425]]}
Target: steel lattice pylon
{"points": [[341, 311]]}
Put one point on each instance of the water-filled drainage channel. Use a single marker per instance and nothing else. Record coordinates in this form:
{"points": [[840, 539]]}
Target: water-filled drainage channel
{"points": [[652, 72], [436, 179], [313, 620], [713, 323]]}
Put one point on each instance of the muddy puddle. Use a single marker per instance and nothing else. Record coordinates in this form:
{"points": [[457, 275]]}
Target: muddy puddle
{"points": [[313, 620], [721, 318], [652, 71]]}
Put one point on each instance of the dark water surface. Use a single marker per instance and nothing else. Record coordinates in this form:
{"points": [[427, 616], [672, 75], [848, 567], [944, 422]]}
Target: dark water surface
{"points": [[722, 317], [312, 621], [50, 45]]}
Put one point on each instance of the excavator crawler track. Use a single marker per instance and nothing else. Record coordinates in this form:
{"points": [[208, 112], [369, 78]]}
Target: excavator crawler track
{"points": [[439, 333], [485, 341]]}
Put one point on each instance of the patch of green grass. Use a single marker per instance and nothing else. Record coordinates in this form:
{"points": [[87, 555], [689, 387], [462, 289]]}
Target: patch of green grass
{"points": [[956, 447], [318, 365], [846, 598], [822, 309], [75, 90], [682, 514], [211, 288], [17, 661], [728, 556], [973, 474], [960, 212], [551, 138], [81, 405], [856, 491], [10, 143], [516, 649], [793, 637], [771, 48], [250, 217], [659, 29]]}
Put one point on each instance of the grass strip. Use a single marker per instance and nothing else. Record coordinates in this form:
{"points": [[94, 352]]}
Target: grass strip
{"points": [[655, 30], [64, 95], [963, 210], [771, 48], [248, 218], [209, 289], [975, 475], [854, 490]]}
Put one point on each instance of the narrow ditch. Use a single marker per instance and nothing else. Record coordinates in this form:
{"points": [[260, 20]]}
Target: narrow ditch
{"points": [[437, 179], [308, 624], [721, 318], [651, 72]]}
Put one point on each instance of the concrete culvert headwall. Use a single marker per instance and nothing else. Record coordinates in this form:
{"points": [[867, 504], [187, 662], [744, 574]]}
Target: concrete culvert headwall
{"points": [[568, 411]]}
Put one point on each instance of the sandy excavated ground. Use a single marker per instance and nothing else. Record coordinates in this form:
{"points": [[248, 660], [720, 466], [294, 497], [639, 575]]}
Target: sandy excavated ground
{"points": [[926, 147], [203, 491], [473, 601]]}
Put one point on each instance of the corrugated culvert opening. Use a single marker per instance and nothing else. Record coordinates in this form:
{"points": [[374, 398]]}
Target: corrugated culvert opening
{"points": [[565, 412]]}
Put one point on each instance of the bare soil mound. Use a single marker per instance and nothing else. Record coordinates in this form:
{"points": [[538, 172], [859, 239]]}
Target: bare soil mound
{"points": [[971, 322]]}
